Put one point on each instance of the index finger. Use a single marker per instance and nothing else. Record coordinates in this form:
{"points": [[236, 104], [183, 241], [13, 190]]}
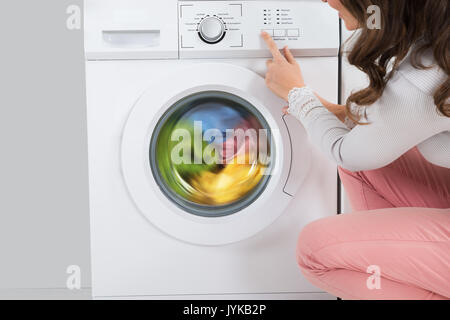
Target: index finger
{"points": [[272, 46]]}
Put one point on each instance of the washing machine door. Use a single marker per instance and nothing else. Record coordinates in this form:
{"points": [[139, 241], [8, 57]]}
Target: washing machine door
{"points": [[207, 155]]}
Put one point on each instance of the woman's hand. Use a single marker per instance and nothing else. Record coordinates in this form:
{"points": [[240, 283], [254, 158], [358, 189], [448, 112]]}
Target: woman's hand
{"points": [[283, 72]]}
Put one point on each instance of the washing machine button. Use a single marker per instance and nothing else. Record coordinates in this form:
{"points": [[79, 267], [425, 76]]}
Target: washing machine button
{"points": [[279, 33]]}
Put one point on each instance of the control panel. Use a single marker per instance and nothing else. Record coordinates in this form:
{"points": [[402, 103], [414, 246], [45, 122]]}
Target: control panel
{"points": [[228, 29], [191, 29]]}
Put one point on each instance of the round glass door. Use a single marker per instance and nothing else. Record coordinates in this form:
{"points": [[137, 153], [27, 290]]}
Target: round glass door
{"points": [[211, 154]]}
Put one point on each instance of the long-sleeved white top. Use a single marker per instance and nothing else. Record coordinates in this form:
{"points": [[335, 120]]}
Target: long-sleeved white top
{"points": [[403, 118]]}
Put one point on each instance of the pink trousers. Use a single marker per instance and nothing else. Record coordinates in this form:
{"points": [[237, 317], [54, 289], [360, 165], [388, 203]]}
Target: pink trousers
{"points": [[396, 242]]}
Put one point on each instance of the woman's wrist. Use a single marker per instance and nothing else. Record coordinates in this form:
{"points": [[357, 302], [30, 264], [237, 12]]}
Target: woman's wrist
{"points": [[297, 86]]}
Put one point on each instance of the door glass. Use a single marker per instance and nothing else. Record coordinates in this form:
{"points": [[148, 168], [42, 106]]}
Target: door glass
{"points": [[211, 153]]}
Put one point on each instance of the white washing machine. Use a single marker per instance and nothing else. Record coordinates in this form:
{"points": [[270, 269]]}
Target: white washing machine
{"points": [[164, 228]]}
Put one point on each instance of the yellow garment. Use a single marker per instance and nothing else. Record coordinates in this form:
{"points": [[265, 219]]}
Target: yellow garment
{"points": [[227, 186]]}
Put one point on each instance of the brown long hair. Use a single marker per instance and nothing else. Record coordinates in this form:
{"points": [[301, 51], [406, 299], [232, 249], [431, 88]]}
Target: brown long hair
{"points": [[423, 24]]}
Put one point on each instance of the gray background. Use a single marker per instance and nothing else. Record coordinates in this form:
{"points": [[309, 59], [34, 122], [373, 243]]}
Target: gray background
{"points": [[44, 219]]}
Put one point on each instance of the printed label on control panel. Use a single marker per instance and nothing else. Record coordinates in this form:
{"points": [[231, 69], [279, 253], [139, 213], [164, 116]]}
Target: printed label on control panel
{"points": [[276, 22]]}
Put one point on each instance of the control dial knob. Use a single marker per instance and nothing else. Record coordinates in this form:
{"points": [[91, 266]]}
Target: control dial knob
{"points": [[211, 30]]}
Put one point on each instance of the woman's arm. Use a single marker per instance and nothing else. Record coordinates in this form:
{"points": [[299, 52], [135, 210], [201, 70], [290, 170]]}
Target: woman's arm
{"points": [[338, 110], [401, 120], [393, 128]]}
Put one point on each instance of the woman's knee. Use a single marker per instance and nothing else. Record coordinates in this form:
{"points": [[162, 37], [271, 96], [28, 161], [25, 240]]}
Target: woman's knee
{"points": [[313, 237]]}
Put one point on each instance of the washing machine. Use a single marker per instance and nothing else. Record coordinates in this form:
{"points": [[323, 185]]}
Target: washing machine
{"points": [[176, 97]]}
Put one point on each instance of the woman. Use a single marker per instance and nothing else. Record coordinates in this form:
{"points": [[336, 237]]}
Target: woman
{"points": [[392, 144]]}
